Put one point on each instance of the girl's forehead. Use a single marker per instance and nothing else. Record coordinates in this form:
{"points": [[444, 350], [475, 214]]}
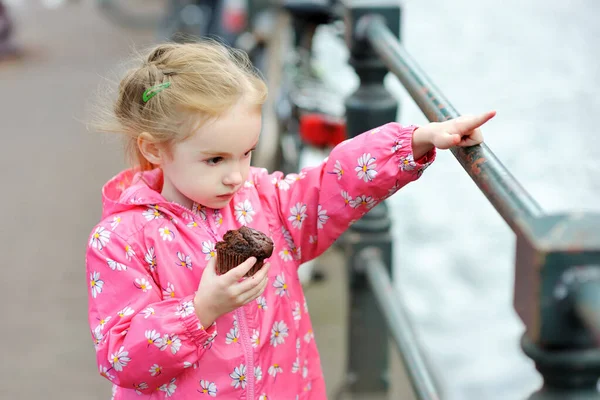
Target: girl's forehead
{"points": [[232, 133]]}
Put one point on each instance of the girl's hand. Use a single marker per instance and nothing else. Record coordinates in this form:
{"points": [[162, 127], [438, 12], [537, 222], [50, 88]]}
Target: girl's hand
{"points": [[220, 294], [462, 131]]}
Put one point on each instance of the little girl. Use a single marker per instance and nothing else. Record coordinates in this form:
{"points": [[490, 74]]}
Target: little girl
{"points": [[164, 324]]}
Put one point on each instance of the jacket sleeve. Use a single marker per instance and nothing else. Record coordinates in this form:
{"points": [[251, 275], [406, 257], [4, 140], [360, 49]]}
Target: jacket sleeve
{"points": [[317, 205], [142, 341]]}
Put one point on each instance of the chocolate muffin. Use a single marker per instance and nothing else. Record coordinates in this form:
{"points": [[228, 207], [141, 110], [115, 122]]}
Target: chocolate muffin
{"points": [[239, 245]]}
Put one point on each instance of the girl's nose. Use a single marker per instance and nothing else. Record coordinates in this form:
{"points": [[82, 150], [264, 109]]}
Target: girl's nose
{"points": [[234, 178]]}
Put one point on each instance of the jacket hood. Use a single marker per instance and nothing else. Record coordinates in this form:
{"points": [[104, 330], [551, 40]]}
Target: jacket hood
{"points": [[130, 189]]}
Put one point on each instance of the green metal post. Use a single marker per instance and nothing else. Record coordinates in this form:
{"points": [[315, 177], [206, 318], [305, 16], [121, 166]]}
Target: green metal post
{"points": [[371, 105], [557, 296]]}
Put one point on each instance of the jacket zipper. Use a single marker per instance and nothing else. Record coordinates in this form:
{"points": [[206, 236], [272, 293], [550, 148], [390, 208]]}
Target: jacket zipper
{"points": [[248, 352], [243, 325]]}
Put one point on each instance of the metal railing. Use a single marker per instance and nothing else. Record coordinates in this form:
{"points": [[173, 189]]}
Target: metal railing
{"points": [[557, 279]]}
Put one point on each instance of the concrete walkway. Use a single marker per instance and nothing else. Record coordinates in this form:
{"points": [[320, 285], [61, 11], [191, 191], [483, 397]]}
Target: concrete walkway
{"points": [[52, 170]]}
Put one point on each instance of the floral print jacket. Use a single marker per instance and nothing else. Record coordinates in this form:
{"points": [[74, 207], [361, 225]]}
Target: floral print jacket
{"points": [[146, 256]]}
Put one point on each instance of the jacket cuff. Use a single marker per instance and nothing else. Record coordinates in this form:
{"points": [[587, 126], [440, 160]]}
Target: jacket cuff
{"points": [[403, 149], [198, 334]]}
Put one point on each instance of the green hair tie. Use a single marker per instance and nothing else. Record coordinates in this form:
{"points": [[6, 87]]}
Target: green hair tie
{"points": [[154, 90]]}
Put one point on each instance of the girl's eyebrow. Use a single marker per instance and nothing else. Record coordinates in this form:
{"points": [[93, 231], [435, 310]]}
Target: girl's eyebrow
{"points": [[223, 154]]}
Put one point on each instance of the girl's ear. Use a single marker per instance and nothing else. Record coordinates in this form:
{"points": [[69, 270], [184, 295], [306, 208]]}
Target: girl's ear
{"points": [[149, 148]]}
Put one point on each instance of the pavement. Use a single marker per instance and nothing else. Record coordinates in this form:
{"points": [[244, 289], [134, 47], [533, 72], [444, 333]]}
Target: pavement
{"points": [[52, 168]]}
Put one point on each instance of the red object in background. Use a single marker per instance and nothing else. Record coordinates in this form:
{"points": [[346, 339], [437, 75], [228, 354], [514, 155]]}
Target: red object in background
{"points": [[321, 130], [234, 15]]}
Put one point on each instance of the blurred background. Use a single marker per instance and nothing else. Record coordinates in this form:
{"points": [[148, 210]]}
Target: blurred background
{"points": [[534, 61]]}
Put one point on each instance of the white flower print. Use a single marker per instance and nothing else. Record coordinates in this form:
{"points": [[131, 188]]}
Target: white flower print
{"points": [[232, 336], [296, 365], [397, 145], [97, 336], [298, 346], [209, 388], [408, 163], [238, 377], [244, 212], [142, 284], [309, 336], [152, 213], [274, 370], [148, 312], [218, 218], [100, 238], [169, 291], [305, 310], [184, 261], [346, 197], [125, 312], [338, 170], [153, 338], [291, 178], [279, 332], [312, 239], [169, 388], [116, 221], [263, 397], [297, 251], [285, 255], [248, 184], [262, 303], [297, 312], [115, 266], [199, 210], [173, 341], [192, 224], [393, 189], [119, 359], [103, 322], [366, 168], [166, 234], [281, 184], [150, 258], [138, 388], [305, 369], [322, 217], [96, 284], [155, 370], [208, 248], [187, 364], [280, 286], [287, 236], [210, 341], [129, 252], [298, 215], [186, 308], [258, 373], [363, 200], [255, 338], [105, 372]]}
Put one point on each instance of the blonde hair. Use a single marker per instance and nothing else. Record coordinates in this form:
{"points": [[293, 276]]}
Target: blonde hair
{"points": [[206, 78]]}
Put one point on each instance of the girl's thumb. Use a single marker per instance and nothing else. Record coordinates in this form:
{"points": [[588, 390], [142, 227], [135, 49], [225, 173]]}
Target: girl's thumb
{"points": [[211, 266]]}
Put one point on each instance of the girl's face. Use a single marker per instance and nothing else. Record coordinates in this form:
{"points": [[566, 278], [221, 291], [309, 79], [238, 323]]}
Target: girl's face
{"points": [[212, 164]]}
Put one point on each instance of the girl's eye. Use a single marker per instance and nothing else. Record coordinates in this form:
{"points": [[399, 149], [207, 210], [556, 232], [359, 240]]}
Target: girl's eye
{"points": [[214, 160]]}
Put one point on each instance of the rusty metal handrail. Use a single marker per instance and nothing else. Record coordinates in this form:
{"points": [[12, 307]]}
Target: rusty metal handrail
{"points": [[507, 195]]}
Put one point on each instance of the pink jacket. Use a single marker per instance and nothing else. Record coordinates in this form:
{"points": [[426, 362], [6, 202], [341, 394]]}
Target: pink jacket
{"points": [[145, 259]]}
